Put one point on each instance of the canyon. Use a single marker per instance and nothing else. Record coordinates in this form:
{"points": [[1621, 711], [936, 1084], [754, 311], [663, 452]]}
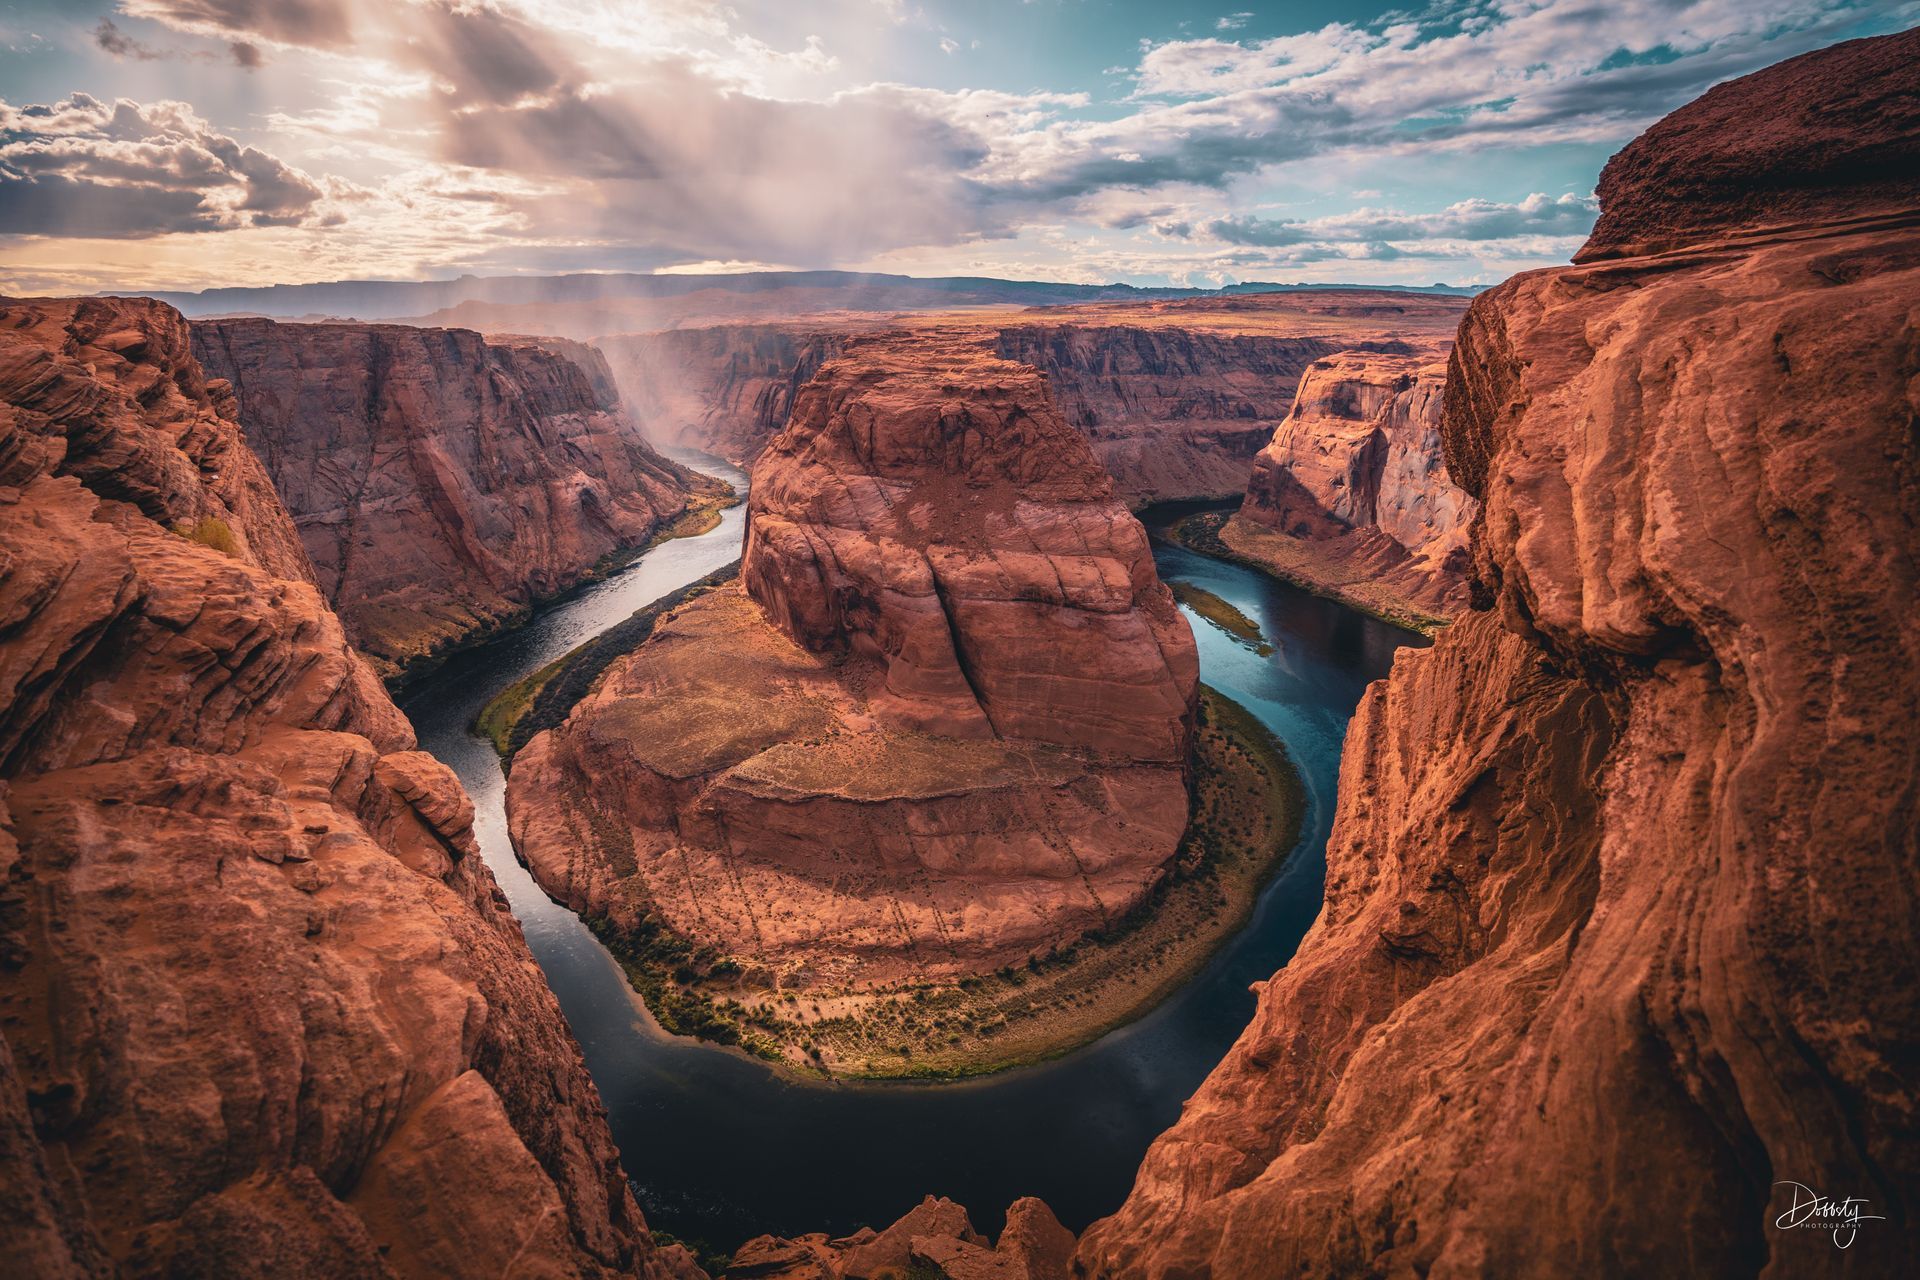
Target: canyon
{"points": [[443, 484], [1176, 397], [262, 1011], [1614, 941], [1615, 910]]}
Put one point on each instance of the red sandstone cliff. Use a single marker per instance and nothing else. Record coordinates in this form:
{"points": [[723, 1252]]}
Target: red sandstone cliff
{"points": [[1617, 935], [262, 1012], [442, 484], [1171, 413], [942, 728], [1352, 495]]}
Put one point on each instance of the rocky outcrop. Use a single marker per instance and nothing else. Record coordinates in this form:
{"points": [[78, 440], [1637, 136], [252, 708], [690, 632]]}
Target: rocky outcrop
{"points": [[935, 1240], [1616, 958], [942, 727], [928, 507], [723, 389], [441, 484], [1763, 155], [263, 1011], [1352, 496]]}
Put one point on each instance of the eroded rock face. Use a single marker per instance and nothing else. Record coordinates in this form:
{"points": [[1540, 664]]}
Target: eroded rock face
{"points": [[250, 972], [933, 1239], [928, 506], [723, 389], [943, 727], [1354, 482], [1171, 413], [1615, 936], [441, 484]]}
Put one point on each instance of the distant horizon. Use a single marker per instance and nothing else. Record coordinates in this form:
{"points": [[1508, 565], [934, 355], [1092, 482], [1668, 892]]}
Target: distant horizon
{"points": [[173, 146]]}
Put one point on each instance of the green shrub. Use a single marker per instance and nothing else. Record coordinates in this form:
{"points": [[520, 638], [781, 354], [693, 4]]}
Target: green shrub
{"points": [[211, 531]]}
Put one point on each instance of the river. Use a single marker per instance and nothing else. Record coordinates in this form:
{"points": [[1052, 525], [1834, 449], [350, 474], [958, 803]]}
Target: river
{"points": [[722, 1147]]}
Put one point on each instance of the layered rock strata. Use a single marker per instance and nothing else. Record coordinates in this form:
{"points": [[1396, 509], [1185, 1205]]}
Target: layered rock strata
{"points": [[441, 484], [1171, 413], [1175, 399], [1352, 495], [722, 389], [941, 726], [262, 1010], [1616, 959]]}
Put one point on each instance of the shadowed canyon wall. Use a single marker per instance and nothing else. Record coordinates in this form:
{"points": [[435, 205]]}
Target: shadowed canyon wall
{"points": [[263, 1011], [441, 483], [1618, 929], [725, 389]]}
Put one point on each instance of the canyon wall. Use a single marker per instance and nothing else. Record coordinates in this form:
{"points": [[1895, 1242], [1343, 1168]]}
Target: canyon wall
{"points": [[1617, 954], [942, 727], [724, 389], [1176, 398], [263, 1011], [1171, 413], [1352, 495], [441, 484]]}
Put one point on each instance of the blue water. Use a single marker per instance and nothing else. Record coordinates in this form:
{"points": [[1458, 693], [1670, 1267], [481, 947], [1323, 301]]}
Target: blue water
{"points": [[720, 1147]]}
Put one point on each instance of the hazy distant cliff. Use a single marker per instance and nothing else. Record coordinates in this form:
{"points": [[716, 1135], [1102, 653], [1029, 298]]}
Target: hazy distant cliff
{"points": [[441, 483], [1616, 935], [263, 1011], [1171, 413]]}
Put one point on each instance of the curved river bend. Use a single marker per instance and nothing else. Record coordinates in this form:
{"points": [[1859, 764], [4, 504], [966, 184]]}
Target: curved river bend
{"points": [[722, 1148]]}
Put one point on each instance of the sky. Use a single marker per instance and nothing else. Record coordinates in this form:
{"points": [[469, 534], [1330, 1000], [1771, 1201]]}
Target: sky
{"points": [[181, 144]]}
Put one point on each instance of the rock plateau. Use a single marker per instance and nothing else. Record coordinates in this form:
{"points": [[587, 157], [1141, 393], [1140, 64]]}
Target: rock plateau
{"points": [[1617, 934], [1176, 398], [941, 725]]}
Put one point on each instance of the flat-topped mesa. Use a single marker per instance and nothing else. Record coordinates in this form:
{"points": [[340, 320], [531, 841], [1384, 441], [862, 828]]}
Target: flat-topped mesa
{"points": [[262, 1010], [928, 506], [442, 484], [1618, 900], [1352, 494], [943, 727]]}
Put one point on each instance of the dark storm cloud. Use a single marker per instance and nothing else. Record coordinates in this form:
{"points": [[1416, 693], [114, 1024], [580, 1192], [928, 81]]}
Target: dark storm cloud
{"points": [[314, 23], [80, 167]]}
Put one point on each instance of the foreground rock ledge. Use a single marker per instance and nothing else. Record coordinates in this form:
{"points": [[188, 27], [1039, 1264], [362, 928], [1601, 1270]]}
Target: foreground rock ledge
{"points": [[1616, 933], [262, 1010]]}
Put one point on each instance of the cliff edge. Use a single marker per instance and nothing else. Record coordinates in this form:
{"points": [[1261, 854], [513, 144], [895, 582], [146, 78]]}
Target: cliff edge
{"points": [[1616, 960]]}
